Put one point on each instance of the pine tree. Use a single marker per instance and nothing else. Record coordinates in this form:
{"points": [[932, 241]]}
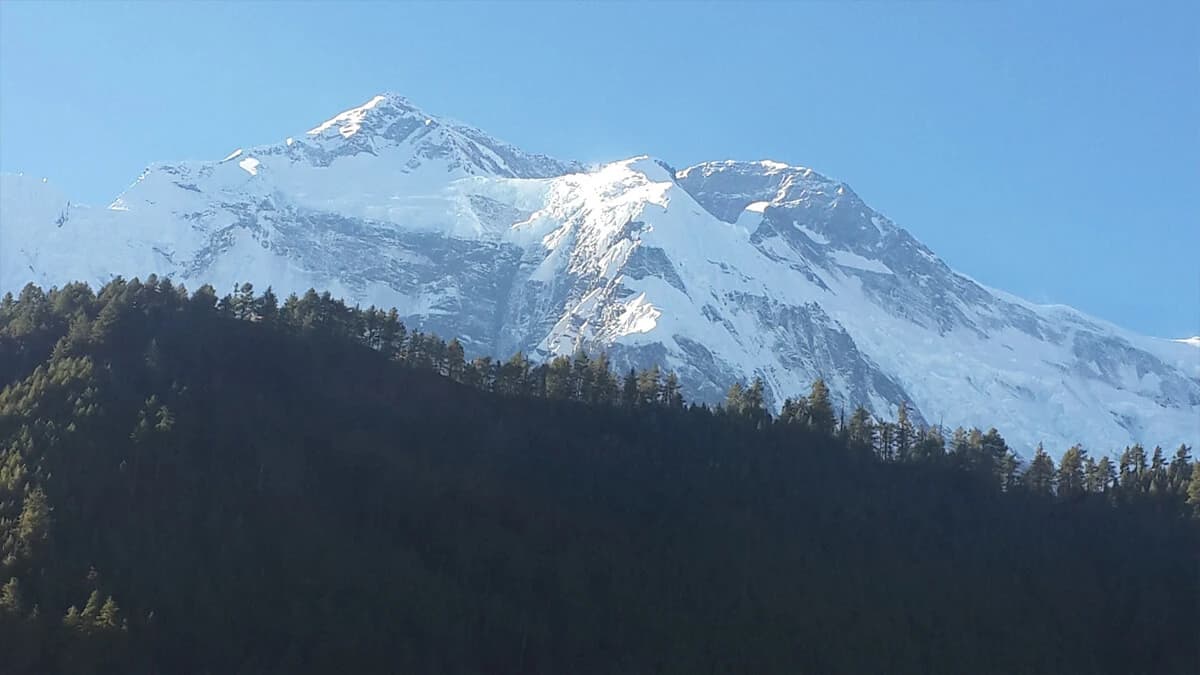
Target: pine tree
{"points": [[629, 389], [1039, 477], [267, 307], [33, 524], [861, 429], [109, 615], [820, 409], [581, 376], [91, 610], [993, 450], [904, 433], [603, 385], [1179, 473], [672, 397], [1071, 472], [513, 377], [393, 334], [456, 362], [1140, 468], [931, 446], [1091, 476], [78, 335], [243, 301], [72, 619], [11, 601], [648, 385], [1106, 473], [735, 398], [886, 447], [1008, 471], [558, 379], [107, 321], [1193, 490], [795, 411], [753, 398], [483, 373], [960, 445], [438, 357]]}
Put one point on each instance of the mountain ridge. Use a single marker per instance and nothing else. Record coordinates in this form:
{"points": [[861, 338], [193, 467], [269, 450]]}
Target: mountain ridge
{"points": [[723, 270]]}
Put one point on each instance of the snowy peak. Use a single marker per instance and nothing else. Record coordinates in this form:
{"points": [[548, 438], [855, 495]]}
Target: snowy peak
{"points": [[727, 187], [796, 208], [380, 108], [389, 125], [721, 271]]}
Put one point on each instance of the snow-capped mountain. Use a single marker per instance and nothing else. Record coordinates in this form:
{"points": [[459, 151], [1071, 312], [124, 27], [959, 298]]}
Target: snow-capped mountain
{"points": [[720, 271]]}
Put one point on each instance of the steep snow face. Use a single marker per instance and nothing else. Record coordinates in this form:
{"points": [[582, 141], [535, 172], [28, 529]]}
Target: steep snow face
{"points": [[721, 271], [956, 345]]}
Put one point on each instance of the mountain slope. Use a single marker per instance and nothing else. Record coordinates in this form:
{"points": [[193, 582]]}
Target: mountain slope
{"points": [[721, 271]]}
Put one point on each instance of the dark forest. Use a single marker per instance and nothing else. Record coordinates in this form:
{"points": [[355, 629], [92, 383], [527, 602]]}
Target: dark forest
{"points": [[195, 484]]}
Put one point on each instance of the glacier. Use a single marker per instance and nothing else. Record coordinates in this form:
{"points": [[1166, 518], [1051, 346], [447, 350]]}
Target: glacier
{"points": [[722, 271]]}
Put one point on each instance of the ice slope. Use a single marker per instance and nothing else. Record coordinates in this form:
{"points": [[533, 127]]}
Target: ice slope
{"points": [[720, 271]]}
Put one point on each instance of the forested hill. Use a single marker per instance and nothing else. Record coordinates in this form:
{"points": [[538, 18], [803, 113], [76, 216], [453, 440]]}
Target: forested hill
{"points": [[193, 484]]}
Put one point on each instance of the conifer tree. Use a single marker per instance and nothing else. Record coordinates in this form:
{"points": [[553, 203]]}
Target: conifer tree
{"points": [[267, 307], [513, 376], [1008, 471], [581, 376], [1179, 472], [1091, 476], [753, 399], [456, 362], [886, 436], [648, 385], [629, 389], [1158, 472], [11, 601], [672, 397], [795, 411], [904, 433], [393, 334], [1039, 477], [735, 398], [603, 385], [558, 379], [109, 615], [483, 373], [1106, 474], [861, 428], [931, 446], [993, 450], [1193, 490], [91, 610], [33, 524], [1140, 468], [820, 408], [242, 305], [1071, 472]]}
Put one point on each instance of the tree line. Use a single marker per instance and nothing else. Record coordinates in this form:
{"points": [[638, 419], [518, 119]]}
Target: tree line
{"points": [[200, 483], [1132, 475]]}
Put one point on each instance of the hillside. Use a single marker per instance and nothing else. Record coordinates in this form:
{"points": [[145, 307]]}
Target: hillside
{"points": [[198, 484]]}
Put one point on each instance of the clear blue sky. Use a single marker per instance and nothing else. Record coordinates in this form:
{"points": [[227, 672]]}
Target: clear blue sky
{"points": [[1049, 149]]}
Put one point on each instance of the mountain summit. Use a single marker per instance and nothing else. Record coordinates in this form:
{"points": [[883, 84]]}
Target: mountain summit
{"points": [[719, 271]]}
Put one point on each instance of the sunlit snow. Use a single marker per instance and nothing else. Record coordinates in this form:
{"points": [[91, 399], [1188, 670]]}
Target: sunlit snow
{"points": [[621, 256], [348, 122]]}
